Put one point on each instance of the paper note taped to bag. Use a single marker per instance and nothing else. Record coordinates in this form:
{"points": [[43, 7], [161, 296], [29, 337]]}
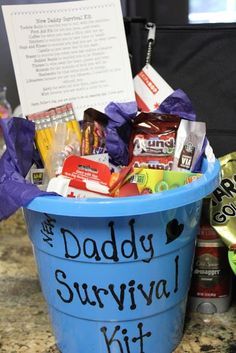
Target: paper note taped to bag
{"points": [[150, 89]]}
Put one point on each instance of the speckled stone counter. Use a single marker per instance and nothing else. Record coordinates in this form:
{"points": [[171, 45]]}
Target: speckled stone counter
{"points": [[24, 323]]}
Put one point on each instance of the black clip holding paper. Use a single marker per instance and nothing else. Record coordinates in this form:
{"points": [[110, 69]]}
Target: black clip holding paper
{"points": [[151, 37]]}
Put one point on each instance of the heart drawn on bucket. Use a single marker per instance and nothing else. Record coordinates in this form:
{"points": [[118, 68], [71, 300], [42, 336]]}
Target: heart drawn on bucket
{"points": [[173, 230]]}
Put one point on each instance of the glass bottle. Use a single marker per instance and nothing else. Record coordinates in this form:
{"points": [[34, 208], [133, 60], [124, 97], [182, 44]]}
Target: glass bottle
{"points": [[5, 112], [210, 290], [5, 107]]}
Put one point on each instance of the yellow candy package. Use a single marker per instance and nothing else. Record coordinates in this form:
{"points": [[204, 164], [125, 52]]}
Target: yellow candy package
{"points": [[223, 206]]}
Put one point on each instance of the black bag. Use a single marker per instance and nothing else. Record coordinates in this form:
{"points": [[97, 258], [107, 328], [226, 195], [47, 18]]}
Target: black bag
{"points": [[201, 60]]}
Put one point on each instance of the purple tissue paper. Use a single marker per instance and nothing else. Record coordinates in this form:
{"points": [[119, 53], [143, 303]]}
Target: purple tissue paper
{"points": [[178, 103], [118, 130], [15, 163]]}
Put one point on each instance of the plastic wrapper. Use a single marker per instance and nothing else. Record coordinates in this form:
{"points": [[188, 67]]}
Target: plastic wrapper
{"points": [[137, 181], [93, 136], [65, 143], [154, 135], [153, 162], [153, 181], [223, 206], [189, 142], [46, 123], [15, 163]]}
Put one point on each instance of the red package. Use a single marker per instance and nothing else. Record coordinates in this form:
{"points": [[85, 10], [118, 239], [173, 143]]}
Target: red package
{"points": [[153, 162], [162, 144], [83, 169], [154, 134], [153, 141], [158, 123]]}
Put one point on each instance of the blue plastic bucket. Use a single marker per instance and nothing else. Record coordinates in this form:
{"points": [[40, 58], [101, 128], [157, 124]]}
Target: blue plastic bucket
{"points": [[116, 272]]}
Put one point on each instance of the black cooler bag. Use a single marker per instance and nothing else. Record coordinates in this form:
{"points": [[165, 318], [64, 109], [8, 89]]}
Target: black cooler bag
{"points": [[201, 60]]}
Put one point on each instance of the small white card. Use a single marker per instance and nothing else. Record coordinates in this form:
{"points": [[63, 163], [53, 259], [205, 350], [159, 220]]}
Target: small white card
{"points": [[69, 52], [150, 89]]}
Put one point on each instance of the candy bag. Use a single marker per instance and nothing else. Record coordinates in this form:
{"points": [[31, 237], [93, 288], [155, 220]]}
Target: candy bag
{"points": [[93, 136], [154, 135], [189, 142], [223, 206]]}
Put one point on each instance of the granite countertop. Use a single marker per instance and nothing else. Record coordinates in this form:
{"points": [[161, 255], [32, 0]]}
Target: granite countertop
{"points": [[24, 323]]}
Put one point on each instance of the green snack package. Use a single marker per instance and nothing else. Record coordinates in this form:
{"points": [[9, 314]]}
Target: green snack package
{"points": [[232, 260], [156, 180]]}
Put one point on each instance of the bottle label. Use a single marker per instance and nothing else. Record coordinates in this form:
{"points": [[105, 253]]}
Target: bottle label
{"points": [[208, 233], [4, 113], [211, 272], [186, 156]]}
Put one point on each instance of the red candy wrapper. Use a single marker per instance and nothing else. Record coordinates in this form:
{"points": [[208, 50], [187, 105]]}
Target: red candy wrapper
{"points": [[153, 162], [155, 134], [154, 140], [162, 144]]}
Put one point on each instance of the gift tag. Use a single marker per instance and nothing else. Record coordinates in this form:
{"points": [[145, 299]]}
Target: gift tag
{"points": [[150, 89]]}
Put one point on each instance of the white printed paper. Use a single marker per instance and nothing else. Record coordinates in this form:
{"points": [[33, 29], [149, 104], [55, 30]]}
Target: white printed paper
{"points": [[69, 52]]}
